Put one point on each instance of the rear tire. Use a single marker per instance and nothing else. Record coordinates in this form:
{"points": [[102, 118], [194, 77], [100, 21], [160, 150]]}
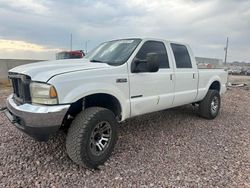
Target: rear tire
{"points": [[92, 136], [209, 107]]}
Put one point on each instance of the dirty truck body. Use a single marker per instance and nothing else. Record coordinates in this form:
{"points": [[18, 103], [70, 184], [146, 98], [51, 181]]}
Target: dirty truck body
{"points": [[118, 80]]}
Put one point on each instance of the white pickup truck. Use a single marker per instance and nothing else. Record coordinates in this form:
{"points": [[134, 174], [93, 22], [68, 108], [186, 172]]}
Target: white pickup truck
{"points": [[117, 80]]}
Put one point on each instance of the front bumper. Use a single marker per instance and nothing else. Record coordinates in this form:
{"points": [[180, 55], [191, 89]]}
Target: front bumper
{"points": [[38, 121]]}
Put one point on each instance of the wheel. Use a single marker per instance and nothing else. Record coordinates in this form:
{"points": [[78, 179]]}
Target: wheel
{"points": [[92, 136], [209, 107]]}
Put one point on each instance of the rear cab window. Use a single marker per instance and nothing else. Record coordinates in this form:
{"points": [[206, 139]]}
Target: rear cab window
{"points": [[181, 55]]}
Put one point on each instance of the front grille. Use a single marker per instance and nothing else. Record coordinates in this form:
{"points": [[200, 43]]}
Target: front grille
{"points": [[20, 84]]}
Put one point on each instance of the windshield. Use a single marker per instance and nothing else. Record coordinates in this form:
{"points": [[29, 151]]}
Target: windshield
{"points": [[113, 52]]}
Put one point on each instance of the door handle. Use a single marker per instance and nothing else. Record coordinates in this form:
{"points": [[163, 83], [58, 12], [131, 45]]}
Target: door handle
{"points": [[171, 77], [193, 75]]}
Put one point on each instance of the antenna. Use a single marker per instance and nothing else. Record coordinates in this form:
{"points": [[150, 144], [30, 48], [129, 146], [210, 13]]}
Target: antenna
{"points": [[226, 51]]}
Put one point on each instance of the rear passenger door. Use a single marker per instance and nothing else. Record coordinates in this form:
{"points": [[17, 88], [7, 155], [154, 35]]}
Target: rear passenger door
{"points": [[152, 91], [186, 77]]}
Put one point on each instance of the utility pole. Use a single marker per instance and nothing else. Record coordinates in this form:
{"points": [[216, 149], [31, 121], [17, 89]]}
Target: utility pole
{"points": [[71, 42], [86, 46], [226, 51]]}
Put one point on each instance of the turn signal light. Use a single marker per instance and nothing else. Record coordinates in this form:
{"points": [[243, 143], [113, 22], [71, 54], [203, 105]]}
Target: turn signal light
{"points": [[52, 92]]}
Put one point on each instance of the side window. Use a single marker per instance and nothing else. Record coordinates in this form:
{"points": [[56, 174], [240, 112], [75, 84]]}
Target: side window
{"points": [[181, 56], [154, 47]]}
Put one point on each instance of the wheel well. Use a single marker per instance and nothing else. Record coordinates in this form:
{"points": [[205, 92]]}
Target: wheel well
{"points": [[215, 86], [101, 100], [106, 101]]}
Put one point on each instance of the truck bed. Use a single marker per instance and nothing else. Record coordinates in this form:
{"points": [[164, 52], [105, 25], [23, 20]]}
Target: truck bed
{"points": [[204, 77]]}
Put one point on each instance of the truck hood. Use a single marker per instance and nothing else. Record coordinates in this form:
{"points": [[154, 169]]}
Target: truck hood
{"points": [[43, 71]]}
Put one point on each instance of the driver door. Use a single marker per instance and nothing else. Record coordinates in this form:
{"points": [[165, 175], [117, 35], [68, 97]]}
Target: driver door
{"points": [[152, 91]]}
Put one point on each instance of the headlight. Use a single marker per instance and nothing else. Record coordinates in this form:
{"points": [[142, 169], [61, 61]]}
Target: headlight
{"points": [[42, 93]]}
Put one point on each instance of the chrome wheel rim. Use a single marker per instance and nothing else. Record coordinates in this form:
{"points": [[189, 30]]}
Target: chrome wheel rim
{"points": [[100, 138], [215, 105]]}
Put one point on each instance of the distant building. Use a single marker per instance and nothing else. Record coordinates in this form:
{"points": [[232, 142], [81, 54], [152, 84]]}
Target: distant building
{"points": [[204, 62]]}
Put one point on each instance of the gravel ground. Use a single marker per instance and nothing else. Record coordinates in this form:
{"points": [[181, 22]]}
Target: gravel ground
{"points": [[171, 148]]}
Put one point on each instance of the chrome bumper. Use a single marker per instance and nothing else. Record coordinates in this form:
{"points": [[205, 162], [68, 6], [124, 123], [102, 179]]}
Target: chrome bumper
{"points": [[38, 121]]}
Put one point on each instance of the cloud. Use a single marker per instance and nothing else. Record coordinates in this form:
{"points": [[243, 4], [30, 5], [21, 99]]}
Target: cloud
{"points": [[16, 49], [31, 6], [204, 24]]}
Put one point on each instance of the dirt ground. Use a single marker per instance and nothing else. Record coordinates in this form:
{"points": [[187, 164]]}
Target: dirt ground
{"points": [[239, 79], [171, 148]]}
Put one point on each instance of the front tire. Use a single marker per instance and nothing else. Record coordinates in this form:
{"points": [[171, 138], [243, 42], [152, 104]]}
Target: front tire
{"points": [[92, 136], [209, 107]]}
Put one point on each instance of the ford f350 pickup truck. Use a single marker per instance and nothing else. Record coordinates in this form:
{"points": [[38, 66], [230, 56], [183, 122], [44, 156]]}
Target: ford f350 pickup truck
{"points": [[118, 80]]}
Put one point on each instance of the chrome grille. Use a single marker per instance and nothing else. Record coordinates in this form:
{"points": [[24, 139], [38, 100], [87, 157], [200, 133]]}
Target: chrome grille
{"points": [[20, 84]]}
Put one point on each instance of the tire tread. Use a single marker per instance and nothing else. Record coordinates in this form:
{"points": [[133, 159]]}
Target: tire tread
{"points": [[204, 106], [75, 136]]}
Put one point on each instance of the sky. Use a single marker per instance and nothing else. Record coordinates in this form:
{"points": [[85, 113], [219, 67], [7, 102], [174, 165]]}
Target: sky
{"points": [[37, 29]]}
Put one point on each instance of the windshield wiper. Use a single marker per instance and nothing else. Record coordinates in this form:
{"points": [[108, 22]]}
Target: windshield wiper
{"points": [[97, 61]]}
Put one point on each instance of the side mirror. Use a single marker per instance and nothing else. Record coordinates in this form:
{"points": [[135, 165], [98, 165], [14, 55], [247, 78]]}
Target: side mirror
{"points": [[152, 62]]}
